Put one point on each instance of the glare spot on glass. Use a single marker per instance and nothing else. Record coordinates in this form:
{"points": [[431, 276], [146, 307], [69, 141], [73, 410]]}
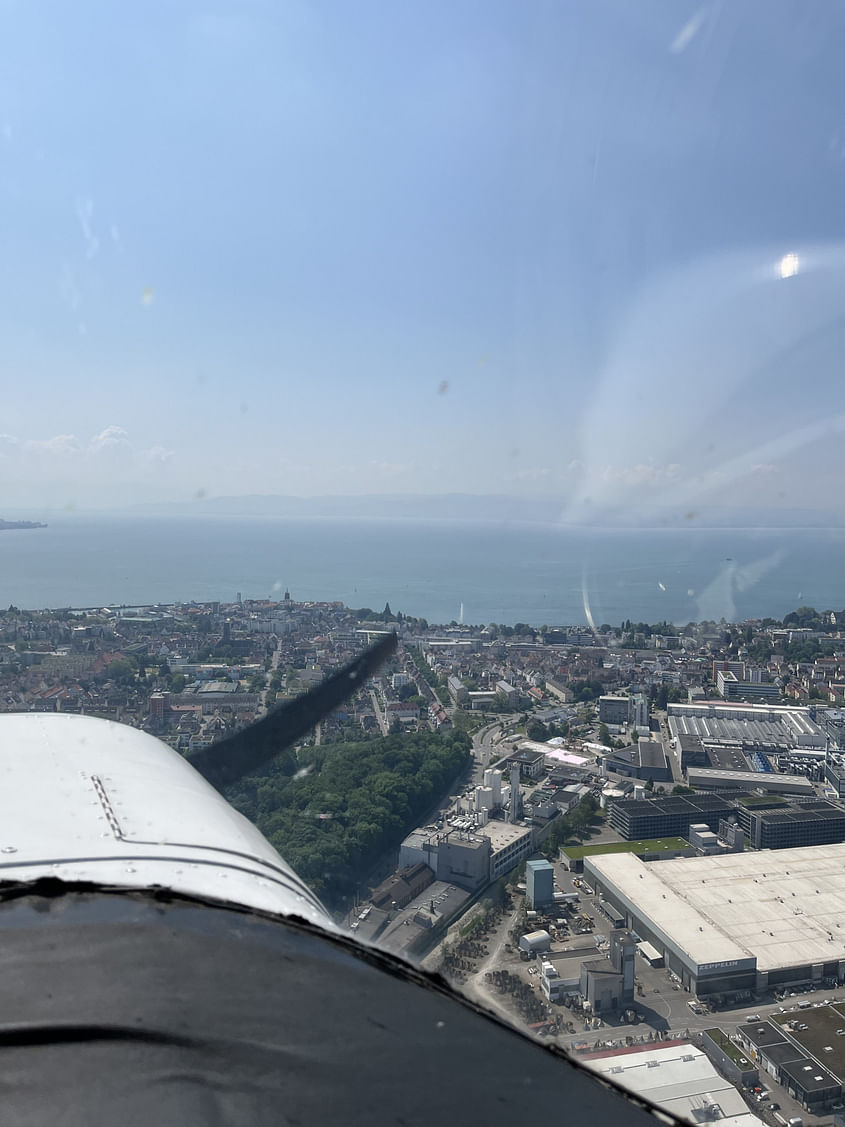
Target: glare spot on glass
{"points": [[788, 266]]}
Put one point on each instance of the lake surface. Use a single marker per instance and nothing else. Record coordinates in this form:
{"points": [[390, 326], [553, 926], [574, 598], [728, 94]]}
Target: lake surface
{"points": [[500, 572]]}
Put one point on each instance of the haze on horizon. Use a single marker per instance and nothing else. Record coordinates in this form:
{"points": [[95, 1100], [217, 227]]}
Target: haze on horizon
{"points": [[587, 252]]}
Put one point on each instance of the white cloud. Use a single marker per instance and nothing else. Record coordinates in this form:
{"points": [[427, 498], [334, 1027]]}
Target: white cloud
{"points": [[37, 470], [158, 454], [110, 439]]}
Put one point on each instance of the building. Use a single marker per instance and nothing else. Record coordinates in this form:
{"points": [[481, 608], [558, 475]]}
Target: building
{"points": [[832, 723], [736, 921], [454, 856], [510, 845], [834, 773], [469, 858], [729, 686], [554, 987], [703, 838], [532, 764], [608, 984], [730, 1060], [679, 1078], [669, 816], [781, 1049], [401, 887], [646, 759], [707, 778], [457, 690], [539, 883], [735, 667], [638, 712], [785, 827], [507, 693], [535, 941], [752, 727], [613, 710], [691, 749]]}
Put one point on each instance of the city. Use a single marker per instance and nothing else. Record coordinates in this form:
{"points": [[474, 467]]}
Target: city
{"points": [[646, 843]]}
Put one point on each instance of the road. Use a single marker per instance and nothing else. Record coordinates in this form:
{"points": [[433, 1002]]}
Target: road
{"points": [[487, 741], [380, 716]]}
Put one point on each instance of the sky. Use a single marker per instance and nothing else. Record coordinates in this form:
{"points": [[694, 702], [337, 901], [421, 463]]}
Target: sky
{"points": [[587, 250]]}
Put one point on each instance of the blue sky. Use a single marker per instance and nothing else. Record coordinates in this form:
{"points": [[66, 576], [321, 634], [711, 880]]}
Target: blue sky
{"points": [[477, 246]]}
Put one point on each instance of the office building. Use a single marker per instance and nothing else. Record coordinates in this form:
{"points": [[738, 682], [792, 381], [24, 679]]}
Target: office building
{"points": [[669, 816], [613, 710], [812, 823]]}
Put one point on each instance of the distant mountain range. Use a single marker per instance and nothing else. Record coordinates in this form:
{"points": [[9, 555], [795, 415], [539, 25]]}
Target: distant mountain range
{"points": [[6, 525], [467, 507]]}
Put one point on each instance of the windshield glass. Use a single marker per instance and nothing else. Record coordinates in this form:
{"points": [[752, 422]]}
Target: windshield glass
{"points": [[512, 329]]}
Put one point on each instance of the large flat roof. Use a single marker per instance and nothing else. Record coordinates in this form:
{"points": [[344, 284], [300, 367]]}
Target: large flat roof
{"points": [[788, 784], [783, 908], [678, 1077]]}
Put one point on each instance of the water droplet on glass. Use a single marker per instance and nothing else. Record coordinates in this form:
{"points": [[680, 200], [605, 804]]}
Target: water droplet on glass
{"points": [[10, 849], [440, 1025], [130, 869]]}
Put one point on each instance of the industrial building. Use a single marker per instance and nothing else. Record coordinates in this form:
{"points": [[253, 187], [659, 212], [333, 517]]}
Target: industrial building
{"points": [[646, 759], [608, 984], [834, 772], [756, 727], [832, 723], [455, 856], [539, 883], [692, 751], [735, 921], [789, 1048], [669, 816], [706, 778], [679, 1078], [401, 887], [534, 942]]}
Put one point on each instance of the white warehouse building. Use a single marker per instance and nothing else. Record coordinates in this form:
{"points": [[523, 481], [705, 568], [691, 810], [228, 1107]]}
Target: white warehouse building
{"points": [[737, 921]]}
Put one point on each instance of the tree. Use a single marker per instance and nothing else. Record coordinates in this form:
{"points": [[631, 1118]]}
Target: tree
{"points": [[121, 671], [537, 731], [604, 735], [177, 682], [649, 783]]}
